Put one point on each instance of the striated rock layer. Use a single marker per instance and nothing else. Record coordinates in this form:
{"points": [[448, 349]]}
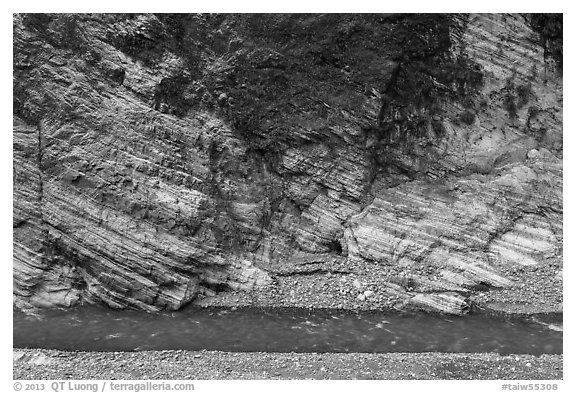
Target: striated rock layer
{"points": [[162, 160]]}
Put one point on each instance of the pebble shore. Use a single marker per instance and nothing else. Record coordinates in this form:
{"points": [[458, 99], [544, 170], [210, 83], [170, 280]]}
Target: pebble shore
{"points": [[37, 364]]}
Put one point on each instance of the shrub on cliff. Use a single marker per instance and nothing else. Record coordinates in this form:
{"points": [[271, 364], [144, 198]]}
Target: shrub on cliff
{"points": [[550, 28], [428, 73], [467, 117]]}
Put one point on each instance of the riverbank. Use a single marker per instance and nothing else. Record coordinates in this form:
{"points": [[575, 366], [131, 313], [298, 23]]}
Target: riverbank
{"points": [[533, 290], [346, 284], [214, 365]]}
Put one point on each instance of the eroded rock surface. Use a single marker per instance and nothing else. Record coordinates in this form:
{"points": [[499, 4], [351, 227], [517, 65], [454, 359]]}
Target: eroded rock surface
{"points": [[222, 159]]}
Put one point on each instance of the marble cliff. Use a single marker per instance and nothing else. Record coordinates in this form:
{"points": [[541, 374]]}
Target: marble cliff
{"points": [[351, 161]]}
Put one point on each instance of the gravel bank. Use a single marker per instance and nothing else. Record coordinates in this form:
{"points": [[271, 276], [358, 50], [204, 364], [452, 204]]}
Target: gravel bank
{"points": [[535, 289], [208, 365]]}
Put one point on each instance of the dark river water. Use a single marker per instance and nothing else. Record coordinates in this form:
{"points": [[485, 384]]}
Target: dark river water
{"points": [[285, 330]]}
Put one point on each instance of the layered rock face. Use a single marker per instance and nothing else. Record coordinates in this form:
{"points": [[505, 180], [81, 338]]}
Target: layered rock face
{"points": [[328, 160]]}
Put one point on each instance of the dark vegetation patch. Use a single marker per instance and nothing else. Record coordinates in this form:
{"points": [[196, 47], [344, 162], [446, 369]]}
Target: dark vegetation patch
{"points": [[515, 97], [59, 30], [169, 96], [286, 79], [31, 99], [148, 38], [429, 72], [467, 117], [139, 37], [550, 29], [523, 94], [310, 68]]}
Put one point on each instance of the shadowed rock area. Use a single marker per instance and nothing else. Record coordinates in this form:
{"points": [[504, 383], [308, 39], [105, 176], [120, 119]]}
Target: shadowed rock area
{"points": [[330, 161]]}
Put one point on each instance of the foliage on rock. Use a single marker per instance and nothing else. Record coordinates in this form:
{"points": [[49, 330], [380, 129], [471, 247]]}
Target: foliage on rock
{"points": [[429, 72], [550, 28]]}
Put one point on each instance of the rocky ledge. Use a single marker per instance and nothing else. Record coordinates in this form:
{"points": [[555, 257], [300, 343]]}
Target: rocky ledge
{"points": [[404, 161]]}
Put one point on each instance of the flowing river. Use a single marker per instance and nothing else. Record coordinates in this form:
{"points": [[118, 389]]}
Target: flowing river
{"points": [[91, 328]]}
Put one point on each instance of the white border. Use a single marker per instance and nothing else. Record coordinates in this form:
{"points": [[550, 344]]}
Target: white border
{"points": [[313, 7]]}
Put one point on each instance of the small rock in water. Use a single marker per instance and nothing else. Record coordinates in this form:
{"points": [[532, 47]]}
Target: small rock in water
{"points": [[368, 293]]}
